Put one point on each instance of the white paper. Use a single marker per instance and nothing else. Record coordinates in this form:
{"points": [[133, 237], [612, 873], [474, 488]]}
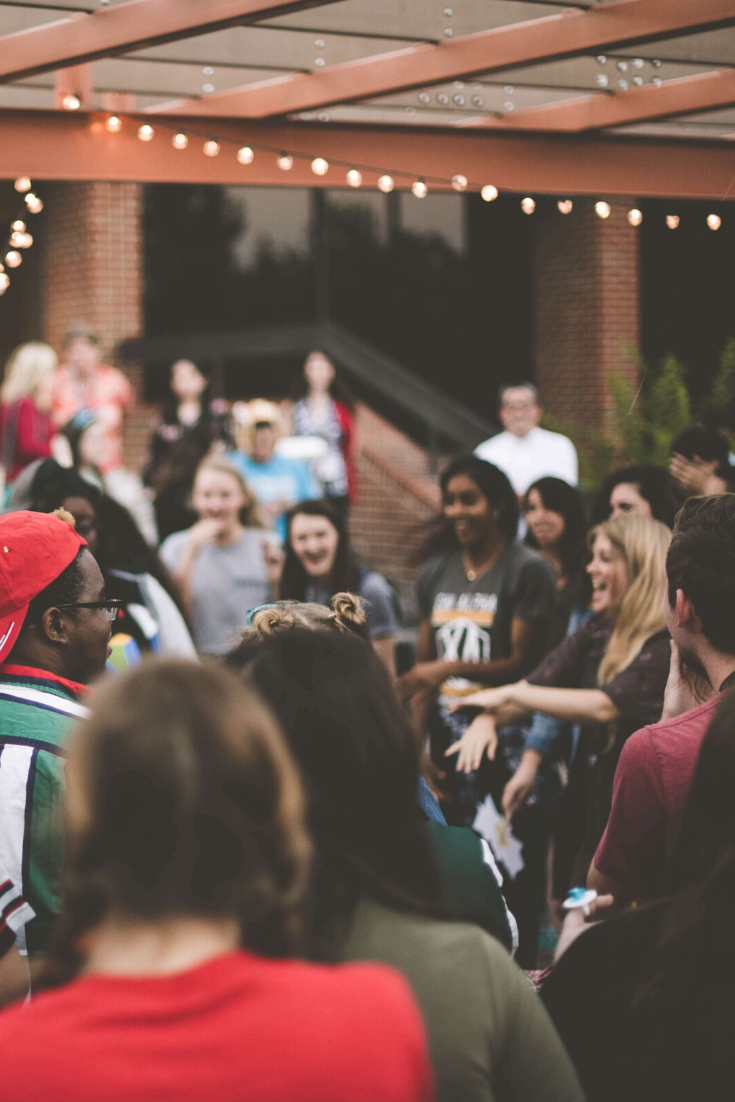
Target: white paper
{"points": [[499, 835]]}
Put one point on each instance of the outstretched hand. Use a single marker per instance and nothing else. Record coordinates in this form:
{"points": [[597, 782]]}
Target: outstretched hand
{"points": [[480, 738], [489, 699]]}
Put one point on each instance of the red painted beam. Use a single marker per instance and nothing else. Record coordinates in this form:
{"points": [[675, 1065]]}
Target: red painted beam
{"points": [[129, 26], [572, 33], [55, 145], [682, 96]]}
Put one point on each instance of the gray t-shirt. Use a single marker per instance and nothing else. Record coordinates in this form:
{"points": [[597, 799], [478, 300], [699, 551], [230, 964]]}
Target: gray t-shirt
{"points": [[472, 620], [226, 582], [382, 617]]}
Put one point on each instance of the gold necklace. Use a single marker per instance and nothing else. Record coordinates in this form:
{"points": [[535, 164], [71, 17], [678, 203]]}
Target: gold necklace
{"points": [[471, 575]]}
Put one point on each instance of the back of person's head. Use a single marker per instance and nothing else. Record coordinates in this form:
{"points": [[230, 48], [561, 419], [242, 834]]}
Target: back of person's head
{"points": [[701, 562], [359, 760], [53, 484], [704, 443], [182, 801], [559, 497], [642, 543], [655, 484], [28, 371], [346, 613]]}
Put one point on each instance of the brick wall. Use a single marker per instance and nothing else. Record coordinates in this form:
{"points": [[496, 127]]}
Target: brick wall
{"points": [[587, 308]]}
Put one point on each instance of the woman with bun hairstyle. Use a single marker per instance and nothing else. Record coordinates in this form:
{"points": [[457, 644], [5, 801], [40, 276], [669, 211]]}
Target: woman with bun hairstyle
{"points": [[319, 562], [187, 862]]}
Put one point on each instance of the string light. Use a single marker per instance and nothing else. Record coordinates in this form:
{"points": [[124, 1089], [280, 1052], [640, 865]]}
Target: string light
{"points": [[19, 227], [354, 177], [34, 204], [22, 184], [285, 162], [714, 221], [71, 102], [21, 240], [635, 217], [319, 166], [564, 206], [419, 188], [245, 155], [145, 133], [602, 209], [386, 183], [459, 182], [179, 141], [211, 148], [113, 124], [672, 221], [489, 193], [4, 282], [13, 259], [528, 205]]}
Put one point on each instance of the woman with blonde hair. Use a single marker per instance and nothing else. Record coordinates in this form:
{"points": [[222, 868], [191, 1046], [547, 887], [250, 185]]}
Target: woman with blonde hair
{"points": [[25, 402], [608, 678], [224, 564]]}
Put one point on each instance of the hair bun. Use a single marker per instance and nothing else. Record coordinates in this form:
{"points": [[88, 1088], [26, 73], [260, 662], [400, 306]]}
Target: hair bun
{"points": [[350, 611], [271, 620]]}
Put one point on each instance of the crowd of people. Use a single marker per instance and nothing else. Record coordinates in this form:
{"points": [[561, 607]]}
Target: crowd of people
{"points": [[242, 855]]}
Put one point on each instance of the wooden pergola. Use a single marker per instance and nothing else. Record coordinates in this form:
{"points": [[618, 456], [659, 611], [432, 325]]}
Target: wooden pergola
{"points": [[619, 97]]}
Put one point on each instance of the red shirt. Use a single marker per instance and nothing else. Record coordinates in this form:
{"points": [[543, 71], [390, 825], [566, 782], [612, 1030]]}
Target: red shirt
{"points": [[652, 783], [33, 432], [238, 1028]]}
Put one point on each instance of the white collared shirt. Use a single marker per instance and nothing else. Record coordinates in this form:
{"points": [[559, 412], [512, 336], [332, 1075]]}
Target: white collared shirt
{"points": [[525, 459]]}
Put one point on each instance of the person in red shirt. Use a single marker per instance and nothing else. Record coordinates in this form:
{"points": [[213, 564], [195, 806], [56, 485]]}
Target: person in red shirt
{"points": [[187, 863], [25, 396], [656, 766]]}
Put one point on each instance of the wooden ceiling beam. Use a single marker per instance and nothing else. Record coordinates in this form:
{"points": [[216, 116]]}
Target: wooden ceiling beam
{"points": [[571, 33]]}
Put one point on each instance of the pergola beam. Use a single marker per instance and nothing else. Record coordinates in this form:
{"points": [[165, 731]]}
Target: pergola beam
{"points": [[61, 145], [684, 95], [129, 26], [569, 34]]}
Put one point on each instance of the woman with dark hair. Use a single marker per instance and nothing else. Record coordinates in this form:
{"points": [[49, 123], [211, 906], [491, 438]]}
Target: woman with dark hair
{"points": [[325, 410], [645, 1001], [319, 562], [642, 491], [133, 572], [376, 886], [187, 859], [191, 424]]}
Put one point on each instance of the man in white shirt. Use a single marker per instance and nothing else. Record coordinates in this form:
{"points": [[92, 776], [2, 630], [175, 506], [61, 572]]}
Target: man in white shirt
{"points": [[525, 452]]}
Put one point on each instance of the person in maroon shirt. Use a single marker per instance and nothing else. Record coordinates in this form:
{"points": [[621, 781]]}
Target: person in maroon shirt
{"points": [[655, 770], [187, 862], [25, 396]]}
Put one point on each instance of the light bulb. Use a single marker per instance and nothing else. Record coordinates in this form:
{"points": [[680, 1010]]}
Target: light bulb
{"points": [[21, 240], [672, 221], [602, 80], [489, 193], [419, 188], [601, 59], [354, 178], [319, 166], [528, 205], [145, 133], [113, 124], [245, 155], [459, 182], [714, 221], [211, 148], [71, 102], [602, 210], [635, 217], [4, 282], [13, 259], [285, 162], [623, 66], [34, 204], [179, 141], [22, 184], [385, 183], [565, 206], [19, 226]]}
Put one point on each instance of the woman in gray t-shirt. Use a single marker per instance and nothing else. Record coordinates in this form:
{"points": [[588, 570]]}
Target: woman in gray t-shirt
{"points": [[223, 564]]}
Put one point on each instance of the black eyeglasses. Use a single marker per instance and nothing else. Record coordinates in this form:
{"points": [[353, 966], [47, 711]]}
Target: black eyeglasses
{"points": [[111, 607]]}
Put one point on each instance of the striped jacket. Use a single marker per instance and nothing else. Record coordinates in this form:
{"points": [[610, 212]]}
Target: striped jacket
{"points": [[36, 711]]}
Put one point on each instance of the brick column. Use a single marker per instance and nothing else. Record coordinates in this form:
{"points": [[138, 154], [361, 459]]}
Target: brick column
{"points": [[92, 265], [587, 308]]}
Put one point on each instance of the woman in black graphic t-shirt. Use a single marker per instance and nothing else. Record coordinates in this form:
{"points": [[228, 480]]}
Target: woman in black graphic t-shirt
{"points": [[485, 602]]}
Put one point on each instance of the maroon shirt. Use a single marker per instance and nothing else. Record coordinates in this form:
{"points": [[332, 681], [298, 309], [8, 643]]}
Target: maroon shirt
{"points": [[33, 432]]}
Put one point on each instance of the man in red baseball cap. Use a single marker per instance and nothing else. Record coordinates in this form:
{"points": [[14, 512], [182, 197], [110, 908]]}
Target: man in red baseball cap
{"points": [[54, 633]]}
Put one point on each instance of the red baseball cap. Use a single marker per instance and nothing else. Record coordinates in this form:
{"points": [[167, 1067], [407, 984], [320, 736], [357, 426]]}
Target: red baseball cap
{"points": [[34, 549]]}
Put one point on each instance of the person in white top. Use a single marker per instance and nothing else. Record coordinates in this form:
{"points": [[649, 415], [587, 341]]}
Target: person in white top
{"points": [[525, 452]]}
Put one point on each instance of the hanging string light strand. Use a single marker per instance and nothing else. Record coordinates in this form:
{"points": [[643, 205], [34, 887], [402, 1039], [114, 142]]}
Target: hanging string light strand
{"points": [[19, 238]]}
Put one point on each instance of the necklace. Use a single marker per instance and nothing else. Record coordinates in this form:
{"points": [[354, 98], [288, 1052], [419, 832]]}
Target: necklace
{"points": [[471, 575]]}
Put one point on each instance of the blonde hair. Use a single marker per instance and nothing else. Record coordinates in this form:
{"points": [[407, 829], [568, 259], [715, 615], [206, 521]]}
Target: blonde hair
{"points": [[27, 369], [250, 514], [642, 543], [345, 614]]}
